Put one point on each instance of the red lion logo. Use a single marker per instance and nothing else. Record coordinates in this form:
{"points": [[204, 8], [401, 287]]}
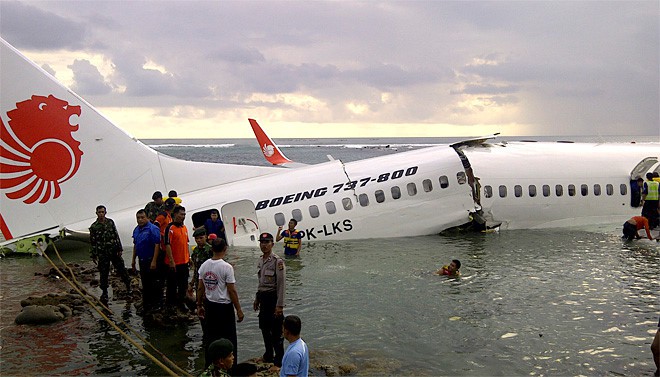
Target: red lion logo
{"points": [[37, 149]]}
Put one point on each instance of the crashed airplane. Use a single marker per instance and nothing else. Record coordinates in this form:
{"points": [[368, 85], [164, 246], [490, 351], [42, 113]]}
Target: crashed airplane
{"points": [[60, 158]]}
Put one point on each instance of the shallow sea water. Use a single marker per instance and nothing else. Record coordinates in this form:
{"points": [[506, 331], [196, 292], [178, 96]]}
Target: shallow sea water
{"points": [[542, 302], [528, 303]]}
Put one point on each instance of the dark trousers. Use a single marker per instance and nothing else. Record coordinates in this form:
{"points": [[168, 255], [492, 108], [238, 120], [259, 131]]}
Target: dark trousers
{"points": [[150, 292], [219, 322], [104, 269], [650, 211], [629, 231], [271, 327], [177, 285]]}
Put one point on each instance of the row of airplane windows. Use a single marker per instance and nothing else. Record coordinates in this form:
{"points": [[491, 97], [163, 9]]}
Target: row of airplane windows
{"points": [[427, 185], [559, 190], [363, 199]]}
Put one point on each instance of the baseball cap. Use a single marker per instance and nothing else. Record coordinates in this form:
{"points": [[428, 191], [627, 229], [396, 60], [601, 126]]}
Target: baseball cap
{"points": [[265, 237]]}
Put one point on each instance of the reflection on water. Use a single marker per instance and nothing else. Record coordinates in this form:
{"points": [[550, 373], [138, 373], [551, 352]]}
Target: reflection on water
{"points": [[528, 302]]}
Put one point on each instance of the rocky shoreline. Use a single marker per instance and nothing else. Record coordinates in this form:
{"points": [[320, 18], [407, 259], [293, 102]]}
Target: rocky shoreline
{"points": [[55, 307]]}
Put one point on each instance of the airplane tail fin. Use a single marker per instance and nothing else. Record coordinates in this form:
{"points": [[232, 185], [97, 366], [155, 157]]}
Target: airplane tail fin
{"points": [[271, 151], [60, 157]]}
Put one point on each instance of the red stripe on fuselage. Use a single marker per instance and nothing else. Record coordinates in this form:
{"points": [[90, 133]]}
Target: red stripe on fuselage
{"points": [[5, 229]]}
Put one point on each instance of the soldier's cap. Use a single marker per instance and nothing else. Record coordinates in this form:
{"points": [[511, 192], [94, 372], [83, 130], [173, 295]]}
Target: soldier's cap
{"points": [[220, 349], [212, 236], [169, 203], [265, 237], [199, 232]]}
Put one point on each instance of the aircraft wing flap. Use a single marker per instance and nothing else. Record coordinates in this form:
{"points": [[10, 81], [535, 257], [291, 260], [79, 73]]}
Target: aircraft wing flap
{"points": [[474, 141]]}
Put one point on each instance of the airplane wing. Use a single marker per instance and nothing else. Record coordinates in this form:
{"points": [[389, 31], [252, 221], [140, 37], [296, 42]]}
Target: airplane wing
{"points": [[474, 141], [271, 151]]}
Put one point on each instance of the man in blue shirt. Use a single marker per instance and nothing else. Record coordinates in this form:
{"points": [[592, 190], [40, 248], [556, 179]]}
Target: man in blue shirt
{"points": [[214, 225], [146, 241], [296, 358]]}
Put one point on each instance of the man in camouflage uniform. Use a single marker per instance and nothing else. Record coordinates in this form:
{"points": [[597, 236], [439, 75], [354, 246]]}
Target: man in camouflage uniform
{"points": [[105, 249], [222, 356], [200, 254], [154, 208]]}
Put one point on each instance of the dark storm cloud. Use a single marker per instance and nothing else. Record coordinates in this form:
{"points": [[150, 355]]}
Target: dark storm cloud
{"points": [[552, 63], [30, 27], [141, 81], [88, 79], [237, 54]]}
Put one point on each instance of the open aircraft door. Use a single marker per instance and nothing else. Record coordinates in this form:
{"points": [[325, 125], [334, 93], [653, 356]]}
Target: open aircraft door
{"points": [[241, 223], [647, 165]]}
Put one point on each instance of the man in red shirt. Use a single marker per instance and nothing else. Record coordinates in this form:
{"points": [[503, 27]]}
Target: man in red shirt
{"points": [[177, 258], [636, 223]]}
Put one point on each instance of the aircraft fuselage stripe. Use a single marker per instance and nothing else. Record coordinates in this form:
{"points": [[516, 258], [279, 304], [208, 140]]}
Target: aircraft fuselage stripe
{"points": [[5, 229]]}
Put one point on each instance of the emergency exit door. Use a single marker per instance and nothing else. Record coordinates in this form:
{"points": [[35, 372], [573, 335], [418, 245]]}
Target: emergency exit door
{"points": [[241, 223]]}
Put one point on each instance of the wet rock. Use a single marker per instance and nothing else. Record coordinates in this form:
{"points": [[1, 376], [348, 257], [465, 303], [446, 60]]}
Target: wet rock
{"points": [[347, 369], [329, 370], [42, 314]]}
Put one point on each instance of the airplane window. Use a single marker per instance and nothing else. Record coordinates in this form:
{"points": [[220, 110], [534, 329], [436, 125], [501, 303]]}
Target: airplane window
{"points": [[296, 214], [488, 191], [330, 207], [444, 181], [280, 220], [396, 192], [624, 189], [559, 190], [610, 189], [532, 191], [546, 190], [584, 189], [517, 191], [460, 176], [314, 211], [597, 189], [502, 191], [347, 203], [412, 189], [380, 196], [571, 190], [428, 186], [363, 199]]}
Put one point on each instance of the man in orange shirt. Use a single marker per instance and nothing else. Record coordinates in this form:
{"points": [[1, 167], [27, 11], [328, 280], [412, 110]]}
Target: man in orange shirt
{"points": [[158, 262], [636, 223], [177, 258]]}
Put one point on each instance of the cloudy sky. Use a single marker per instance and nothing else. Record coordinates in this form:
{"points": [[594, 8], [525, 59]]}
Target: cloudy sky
{"points": [[346, 68]]}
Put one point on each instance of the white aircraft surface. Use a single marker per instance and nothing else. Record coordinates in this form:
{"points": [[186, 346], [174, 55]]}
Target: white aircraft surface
{"points": [[60, 158]]}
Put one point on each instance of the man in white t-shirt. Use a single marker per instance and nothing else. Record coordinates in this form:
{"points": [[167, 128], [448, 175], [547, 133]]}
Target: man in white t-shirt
{"points": [[217, 298], [296, 358]]}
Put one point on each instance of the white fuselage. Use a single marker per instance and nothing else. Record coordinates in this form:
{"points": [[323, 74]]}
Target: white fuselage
{"points": [[523, 186], [529, 185]]}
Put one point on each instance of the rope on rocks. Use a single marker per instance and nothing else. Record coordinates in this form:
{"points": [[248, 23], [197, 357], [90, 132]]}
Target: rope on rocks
{"points": [[76, 287], [137, 334]]}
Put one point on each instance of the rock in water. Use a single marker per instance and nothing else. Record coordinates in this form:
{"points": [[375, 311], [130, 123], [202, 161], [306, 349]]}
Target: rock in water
{"points": [[42, 314]]}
